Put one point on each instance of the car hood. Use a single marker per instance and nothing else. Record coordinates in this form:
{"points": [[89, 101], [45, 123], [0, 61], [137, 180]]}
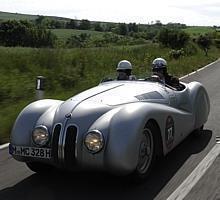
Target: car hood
{"points": [[109, 95]]}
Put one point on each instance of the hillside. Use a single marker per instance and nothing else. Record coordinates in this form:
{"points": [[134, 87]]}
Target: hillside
{"points": [[61, 31], [19, 16]]}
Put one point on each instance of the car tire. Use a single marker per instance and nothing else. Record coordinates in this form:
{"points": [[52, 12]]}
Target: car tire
{"points": [[40, 168], [150, 149]]}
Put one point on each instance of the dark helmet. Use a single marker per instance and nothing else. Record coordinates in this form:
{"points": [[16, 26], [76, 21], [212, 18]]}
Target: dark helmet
{"points": [[159, 63]]}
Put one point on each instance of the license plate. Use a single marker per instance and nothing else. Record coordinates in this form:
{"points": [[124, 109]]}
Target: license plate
{"points": [[30, 152]]}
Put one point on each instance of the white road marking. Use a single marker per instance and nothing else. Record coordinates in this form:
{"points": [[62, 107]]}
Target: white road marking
{"points": [[187, 185], [4, 146], [200, 69]]}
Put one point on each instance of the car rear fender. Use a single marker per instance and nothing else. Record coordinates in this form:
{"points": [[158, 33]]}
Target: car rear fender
{"points": [[200, 103]]}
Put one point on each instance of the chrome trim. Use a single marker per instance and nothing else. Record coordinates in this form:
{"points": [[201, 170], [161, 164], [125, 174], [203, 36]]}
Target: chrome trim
{"points": [[60, 142], [58, 153], [64, 140], [53, 129], [76, 142]]}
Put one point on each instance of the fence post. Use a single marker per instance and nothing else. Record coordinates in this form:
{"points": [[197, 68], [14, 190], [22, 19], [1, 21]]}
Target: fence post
{"points": [[40, 87]]}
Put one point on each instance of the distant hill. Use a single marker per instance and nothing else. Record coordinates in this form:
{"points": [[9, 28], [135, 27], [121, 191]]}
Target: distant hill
{"points": [[19, 16], [63, 27], [4, 16]]}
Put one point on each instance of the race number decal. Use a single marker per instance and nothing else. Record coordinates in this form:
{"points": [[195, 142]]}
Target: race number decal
{"points": [[169, 132]]}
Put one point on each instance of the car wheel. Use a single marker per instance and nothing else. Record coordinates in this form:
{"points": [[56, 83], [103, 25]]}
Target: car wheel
{"points": [[149, 150], [40, 167]]}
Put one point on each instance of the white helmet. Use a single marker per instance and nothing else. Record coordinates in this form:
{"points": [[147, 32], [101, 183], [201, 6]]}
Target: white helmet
{"points": [[123, 65], [159, 63]]}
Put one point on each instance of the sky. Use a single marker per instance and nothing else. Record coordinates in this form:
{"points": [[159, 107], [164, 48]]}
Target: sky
{"points": [[189, 12]]}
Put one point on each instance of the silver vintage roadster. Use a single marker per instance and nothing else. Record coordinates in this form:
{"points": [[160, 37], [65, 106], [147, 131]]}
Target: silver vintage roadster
{"points": [[118, 126]]}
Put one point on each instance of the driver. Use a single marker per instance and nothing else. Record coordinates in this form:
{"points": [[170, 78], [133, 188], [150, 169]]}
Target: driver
{"points": [[159, 68], [124, 69]]}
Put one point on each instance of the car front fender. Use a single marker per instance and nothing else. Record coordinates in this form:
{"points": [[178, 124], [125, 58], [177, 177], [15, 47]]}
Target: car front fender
{"points": [[121, 128], [28, 118]]}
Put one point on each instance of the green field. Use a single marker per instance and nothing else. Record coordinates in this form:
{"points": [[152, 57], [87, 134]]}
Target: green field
{"points": [[69, 71], [199, 30], [63, 34]]}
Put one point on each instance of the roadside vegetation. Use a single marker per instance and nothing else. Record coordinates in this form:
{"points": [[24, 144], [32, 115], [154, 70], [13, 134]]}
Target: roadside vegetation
{"points": [[77, 56]]}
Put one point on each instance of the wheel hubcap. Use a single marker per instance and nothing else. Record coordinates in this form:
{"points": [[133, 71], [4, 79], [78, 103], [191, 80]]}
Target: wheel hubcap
{"points": [[145, 151]]}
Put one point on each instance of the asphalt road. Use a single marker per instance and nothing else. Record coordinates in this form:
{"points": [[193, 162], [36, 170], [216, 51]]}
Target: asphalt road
{"points": [[17, 182]]}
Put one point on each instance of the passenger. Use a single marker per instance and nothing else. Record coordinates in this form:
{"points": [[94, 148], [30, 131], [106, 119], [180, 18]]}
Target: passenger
{"points": [[124, 69], [159, 68]]}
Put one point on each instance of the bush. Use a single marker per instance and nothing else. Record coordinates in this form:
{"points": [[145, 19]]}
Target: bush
{"points": [[204, 42], [23, 33], [78, 40], [176, 54], [173, 38], [190, 49]]}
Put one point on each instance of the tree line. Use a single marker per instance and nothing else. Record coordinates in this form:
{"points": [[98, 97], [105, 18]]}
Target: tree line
{"points": [[25, 34], [38, 33]]}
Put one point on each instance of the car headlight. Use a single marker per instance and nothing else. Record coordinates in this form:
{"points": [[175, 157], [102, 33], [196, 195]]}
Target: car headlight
{"points": [[40, 135], [94, 141]]}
